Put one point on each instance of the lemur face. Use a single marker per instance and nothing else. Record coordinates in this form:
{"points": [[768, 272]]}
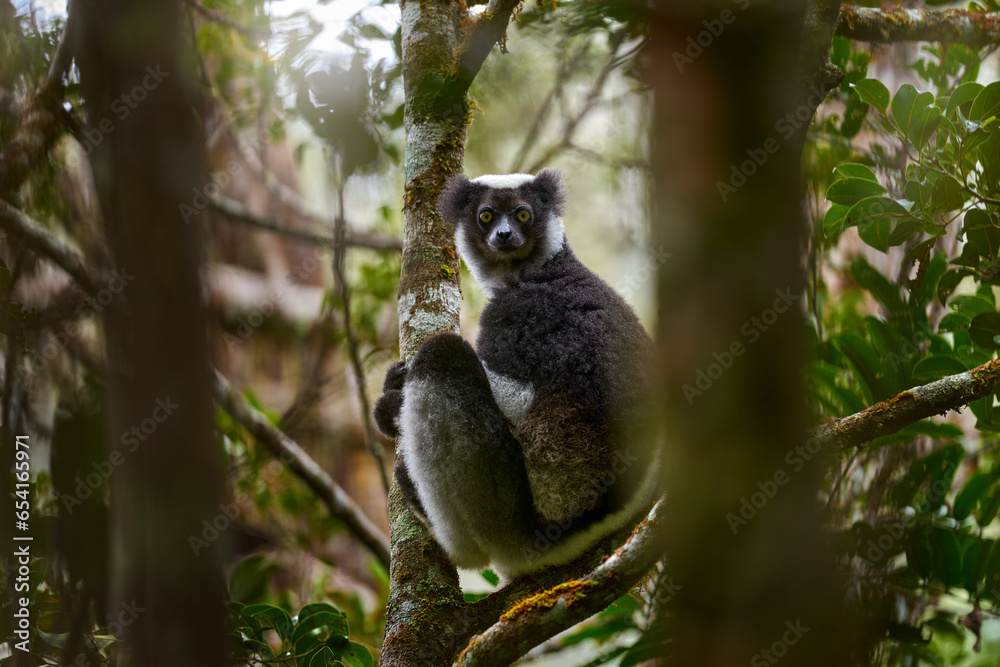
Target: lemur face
{"points": [[505, 222]]}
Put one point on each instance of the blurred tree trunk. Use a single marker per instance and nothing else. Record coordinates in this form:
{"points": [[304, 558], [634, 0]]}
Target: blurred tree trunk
{"points": [[746, 549], [138, 81]]}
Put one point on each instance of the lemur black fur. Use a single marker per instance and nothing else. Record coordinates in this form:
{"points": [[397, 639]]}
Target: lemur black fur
{"points": [[525, 451]]}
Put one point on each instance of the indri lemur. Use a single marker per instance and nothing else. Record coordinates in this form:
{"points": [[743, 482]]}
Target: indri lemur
{"points": [[525, 451]]}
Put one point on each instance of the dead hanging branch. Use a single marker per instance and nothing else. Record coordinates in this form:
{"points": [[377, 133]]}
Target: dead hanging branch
{"points": [[235, 211], [540, 617], [298, 461], [39, 124], [908, 407], [41, 241], [955, 26]]}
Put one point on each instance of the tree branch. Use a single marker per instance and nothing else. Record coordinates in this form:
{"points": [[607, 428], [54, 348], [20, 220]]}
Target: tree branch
{"points": [[490, 29], [298, 461], [541, 617], [40, 240], [867, 24], [910, 406], [234, 210]]}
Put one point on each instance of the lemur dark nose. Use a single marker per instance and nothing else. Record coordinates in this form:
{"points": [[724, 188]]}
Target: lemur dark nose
{"points": [[504, 235]]}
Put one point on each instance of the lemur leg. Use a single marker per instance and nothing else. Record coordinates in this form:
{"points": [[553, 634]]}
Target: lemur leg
{"points": [[386, 413], [467, 467]]}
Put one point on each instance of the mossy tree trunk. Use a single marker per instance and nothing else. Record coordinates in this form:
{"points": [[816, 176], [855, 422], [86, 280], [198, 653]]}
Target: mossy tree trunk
{"points": [[443, 49]]}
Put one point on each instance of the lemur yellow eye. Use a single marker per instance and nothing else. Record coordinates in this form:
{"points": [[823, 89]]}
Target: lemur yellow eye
{"points": [[523, 216], [485, 217]]}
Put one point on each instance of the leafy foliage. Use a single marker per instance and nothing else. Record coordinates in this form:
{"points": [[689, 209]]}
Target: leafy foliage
{"points": [[915, 182]]}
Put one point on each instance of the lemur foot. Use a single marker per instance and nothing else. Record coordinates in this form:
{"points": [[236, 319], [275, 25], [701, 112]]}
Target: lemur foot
{"points": [[388, 406]]}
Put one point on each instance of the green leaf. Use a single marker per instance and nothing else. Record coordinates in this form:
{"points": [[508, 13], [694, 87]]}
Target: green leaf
{"points": [[989, 504], [833, 221], [924, 126], [971, 493], [971, 305], [884, 291], [270, 616], [949, 281], [920, 555], [874, 93], [984, 331], [976, 560], [919, 192], [937, 366], [947, 556], [855, 170], [987, 103], [869, 209], [954, 322], [964, 94], [850, 191], [324, 657], [907, 105], [865, 363], [357, 655], [983, 233], [947, 194]]}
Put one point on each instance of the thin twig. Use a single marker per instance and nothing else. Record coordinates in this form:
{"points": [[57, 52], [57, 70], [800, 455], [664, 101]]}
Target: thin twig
{"points": [[566, 67], [589, 102], [299, 462], [373, 444], [233, 210]]}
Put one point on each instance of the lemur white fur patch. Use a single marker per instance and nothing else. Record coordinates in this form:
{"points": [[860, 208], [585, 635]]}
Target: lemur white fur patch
{"points": [[492, 277], [512, 397], [420, 443], [504, 181]]}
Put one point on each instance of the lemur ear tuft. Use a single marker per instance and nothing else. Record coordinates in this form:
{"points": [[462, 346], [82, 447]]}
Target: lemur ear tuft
{"points": [[549, 187], [456, 199]]}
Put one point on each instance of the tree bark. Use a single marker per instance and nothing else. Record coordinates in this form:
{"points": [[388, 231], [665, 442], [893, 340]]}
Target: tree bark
{"points": [[953, 26], [141, 100]]}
